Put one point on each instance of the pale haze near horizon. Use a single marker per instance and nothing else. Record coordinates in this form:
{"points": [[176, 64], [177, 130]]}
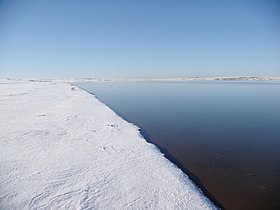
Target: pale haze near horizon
{"points": [[139, 38]]}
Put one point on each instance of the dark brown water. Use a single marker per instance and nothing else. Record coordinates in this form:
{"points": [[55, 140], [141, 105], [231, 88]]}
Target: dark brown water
{"points": [[225, 135]]}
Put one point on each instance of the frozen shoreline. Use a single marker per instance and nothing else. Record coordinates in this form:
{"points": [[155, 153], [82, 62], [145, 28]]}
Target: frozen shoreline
{"points": [[62, 148]]}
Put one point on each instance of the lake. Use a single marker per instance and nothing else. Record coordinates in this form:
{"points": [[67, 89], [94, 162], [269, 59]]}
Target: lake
{"points": [[224, 134]]}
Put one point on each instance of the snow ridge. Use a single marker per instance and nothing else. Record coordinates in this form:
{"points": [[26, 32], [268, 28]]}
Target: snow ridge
{"points": [[61, 148]]}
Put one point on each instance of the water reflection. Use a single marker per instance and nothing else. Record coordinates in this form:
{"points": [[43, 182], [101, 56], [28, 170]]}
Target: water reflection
{"points": [[225, 133]]}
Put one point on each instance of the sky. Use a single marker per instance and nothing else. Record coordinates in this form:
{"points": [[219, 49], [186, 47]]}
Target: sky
{"points": [[144, 38]]}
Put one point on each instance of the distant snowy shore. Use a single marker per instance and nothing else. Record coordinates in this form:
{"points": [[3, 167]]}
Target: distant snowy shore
{"points": [[131, 79], [61, 148], [238, 78]]}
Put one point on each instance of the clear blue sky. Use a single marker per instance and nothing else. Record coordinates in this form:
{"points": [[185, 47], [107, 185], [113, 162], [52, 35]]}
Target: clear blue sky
{"points": [[102, 38]]}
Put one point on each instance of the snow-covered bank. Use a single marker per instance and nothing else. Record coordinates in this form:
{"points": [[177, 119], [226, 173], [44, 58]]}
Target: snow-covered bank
{"points": [[62, 148]]}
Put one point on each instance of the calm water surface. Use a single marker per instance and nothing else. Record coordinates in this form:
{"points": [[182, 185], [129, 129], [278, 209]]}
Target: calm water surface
{"points": [[226, 135]]}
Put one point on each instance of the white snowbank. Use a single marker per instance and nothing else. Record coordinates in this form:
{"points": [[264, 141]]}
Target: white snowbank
{"points": [[63, 149]]}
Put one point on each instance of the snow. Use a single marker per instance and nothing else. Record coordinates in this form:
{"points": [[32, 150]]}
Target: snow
{"points": [[63, 149]]}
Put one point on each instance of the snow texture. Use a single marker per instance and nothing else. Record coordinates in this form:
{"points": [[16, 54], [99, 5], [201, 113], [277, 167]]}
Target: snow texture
{"points": [[61, 148]]}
